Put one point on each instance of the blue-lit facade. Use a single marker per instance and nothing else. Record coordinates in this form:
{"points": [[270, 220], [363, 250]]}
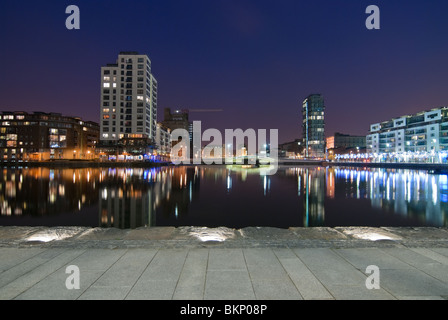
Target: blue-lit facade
{"points": [[422, 137]]}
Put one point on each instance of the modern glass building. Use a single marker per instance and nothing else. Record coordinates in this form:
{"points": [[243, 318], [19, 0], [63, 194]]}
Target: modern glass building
{"points": [[313, 114]]}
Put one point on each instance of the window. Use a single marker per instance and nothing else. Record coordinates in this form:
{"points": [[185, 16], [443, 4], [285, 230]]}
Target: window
{"points": [[106, 85], [106, 78], [105, 136]]}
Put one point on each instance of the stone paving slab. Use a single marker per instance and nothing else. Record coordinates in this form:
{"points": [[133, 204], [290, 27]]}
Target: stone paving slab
{"points": [[222, 274], [223, 264]]}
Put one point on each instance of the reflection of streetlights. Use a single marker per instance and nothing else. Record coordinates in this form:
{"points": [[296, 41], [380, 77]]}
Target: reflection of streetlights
{"points": [[229, 146]]}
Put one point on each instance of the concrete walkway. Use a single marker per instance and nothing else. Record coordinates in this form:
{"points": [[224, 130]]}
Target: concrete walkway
{"points": [[224, 264]]}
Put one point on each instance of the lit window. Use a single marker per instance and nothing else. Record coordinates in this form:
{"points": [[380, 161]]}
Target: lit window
{"points": [[114, 85], [106, 110], [106, 85], [106, 78], [11, 137], [105, 136]]}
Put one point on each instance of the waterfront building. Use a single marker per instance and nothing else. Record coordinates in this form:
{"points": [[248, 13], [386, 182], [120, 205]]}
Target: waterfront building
{"points": [[291, 149], [313, 125], [339, 140], [43, 136], [128, 99], [163, 141], [421, 137], [344, 144]]}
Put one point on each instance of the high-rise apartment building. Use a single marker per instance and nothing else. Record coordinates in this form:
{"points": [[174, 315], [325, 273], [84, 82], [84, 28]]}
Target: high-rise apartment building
{"points": [[128, 99], [313, 113]]}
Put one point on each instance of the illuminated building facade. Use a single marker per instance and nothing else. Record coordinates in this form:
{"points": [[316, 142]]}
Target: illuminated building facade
{"points": [[339, 140], [128, 99], [46, 136], [313, 114], [163, 141], [424, 134]]}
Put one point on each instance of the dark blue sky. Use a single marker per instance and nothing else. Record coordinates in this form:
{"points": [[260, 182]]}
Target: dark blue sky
{"points": [[255, 59]]}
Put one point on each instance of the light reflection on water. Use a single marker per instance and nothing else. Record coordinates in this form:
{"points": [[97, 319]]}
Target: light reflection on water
{"points": [[228, 196]]}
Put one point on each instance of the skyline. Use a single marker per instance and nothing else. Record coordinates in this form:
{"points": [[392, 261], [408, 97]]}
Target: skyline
{"points": [[254, 60]]}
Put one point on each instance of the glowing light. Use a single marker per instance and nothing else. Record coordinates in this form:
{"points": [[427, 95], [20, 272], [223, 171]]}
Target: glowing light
{"points": [[216, 235]]}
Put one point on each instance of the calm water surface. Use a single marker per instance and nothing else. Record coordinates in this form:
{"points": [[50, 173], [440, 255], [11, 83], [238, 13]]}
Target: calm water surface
{"points": [[222, 196]]}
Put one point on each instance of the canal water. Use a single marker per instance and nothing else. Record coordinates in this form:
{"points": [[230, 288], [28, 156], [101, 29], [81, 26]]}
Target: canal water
{"points": [[229, 196]]}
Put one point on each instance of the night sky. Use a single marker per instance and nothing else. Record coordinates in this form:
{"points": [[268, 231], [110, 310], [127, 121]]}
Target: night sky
{"points": [[255, 59]]}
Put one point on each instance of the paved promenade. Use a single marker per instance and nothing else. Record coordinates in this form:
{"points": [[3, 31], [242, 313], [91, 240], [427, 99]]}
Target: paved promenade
{"points": [[224, 264]]}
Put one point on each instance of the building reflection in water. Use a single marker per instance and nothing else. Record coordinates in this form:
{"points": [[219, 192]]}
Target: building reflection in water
{"points": [[40, 192], [132, 198], [311, 192], [409, 193]]}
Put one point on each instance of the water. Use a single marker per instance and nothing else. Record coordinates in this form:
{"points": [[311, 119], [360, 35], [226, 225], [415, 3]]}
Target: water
{"points": [[227, 196]]}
